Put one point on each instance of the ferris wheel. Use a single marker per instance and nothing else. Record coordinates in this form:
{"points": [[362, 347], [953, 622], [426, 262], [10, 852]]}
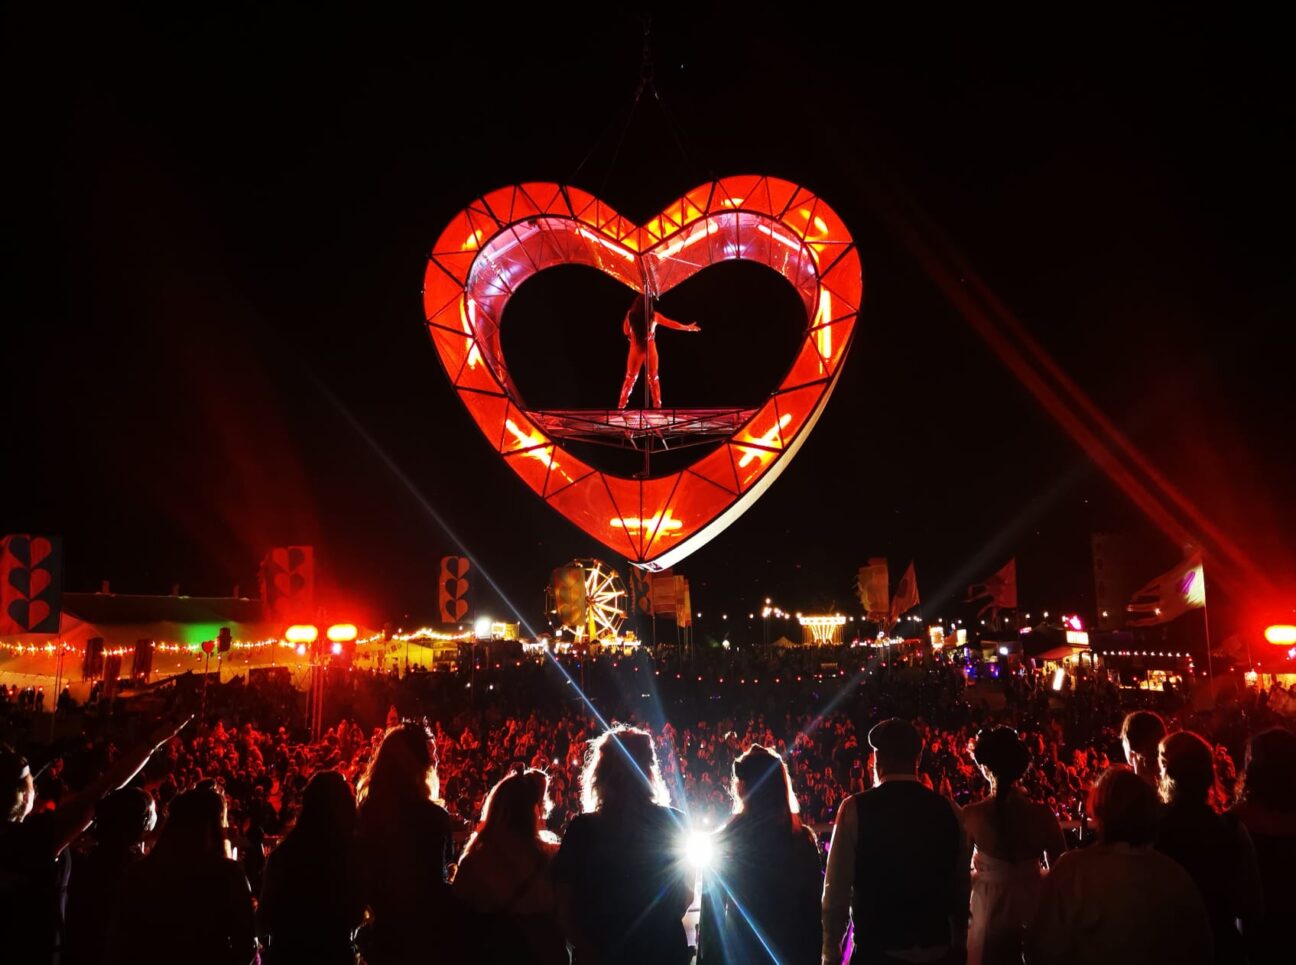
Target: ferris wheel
{"points": [[587, 597]]}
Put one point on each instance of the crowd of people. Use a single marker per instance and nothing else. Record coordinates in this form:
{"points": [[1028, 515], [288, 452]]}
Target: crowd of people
{"points": [[524, 828]]}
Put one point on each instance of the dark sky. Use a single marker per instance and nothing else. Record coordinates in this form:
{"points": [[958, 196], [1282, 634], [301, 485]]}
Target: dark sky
{"points": [[217, 226]]}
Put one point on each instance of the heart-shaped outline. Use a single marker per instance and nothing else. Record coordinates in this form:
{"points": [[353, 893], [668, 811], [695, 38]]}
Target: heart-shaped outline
{"points": [[504, 237]]}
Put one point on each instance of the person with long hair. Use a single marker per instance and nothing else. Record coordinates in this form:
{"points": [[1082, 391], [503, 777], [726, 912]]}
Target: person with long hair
{"points": [[760, 902], [1214, 849], [1267, 809], [640, 327], [503, 876], [310, 904], [1013, 839], [623, 887], [187, 901], [404, 850], [1119, 902]]}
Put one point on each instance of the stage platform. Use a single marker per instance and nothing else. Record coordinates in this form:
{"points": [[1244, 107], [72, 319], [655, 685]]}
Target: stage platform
{"points": [[653, 429]]}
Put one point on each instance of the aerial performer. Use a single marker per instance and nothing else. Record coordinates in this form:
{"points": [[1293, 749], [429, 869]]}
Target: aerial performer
{"points": [[640, 327]]}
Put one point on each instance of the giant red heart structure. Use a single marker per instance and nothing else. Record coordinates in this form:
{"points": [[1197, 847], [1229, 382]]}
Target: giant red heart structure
{"points": [[508, 235]]}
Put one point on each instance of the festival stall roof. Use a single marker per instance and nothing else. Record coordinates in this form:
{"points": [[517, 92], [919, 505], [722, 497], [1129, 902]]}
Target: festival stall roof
{"points": [[177, 624]]}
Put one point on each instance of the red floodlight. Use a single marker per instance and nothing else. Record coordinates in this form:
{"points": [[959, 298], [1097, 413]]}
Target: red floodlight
{"points": [[301, 633], [1281, 634], [342, 633]]}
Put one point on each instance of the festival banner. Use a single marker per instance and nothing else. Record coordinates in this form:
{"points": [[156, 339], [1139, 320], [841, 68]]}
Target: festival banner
{"points": [[641, 596], [683, 602], [570, 602], [31, 584], [664, 588], [453, 589], [873, 588], [1170, 595], [288, 584], [1000, 588]]}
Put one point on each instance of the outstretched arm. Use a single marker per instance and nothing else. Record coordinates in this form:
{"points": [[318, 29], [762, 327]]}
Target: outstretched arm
{"points": [[72, 817], [678, 326]]}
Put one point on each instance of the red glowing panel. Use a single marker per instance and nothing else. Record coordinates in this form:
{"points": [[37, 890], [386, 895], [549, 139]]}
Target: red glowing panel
{"points": [[588, 504], [1281, 635], [500, 240], [534, 465]]}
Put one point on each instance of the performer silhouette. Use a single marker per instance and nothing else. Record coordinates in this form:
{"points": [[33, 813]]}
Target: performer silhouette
{"points": [[640, 327]]}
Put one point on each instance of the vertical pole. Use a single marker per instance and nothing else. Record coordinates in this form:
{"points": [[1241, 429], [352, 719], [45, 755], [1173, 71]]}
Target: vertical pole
{"points": [[202, 714], [1210, 664], [58, 689]]}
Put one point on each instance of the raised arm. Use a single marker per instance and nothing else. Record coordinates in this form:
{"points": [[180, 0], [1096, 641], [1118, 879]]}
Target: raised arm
{"points": [[678, 326], [74, 816]]}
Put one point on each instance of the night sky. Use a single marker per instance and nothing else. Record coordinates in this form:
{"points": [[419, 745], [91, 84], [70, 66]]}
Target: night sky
{"points": [[217, 229]]}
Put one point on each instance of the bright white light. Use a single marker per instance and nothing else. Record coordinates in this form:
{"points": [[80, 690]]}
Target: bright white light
{"points": [[482, 628], [1003, 651], [699, 850]]}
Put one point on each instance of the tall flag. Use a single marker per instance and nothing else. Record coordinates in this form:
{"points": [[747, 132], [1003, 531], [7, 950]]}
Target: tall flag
{"points": [[683, 602], [1000, 588], [1170, 595], [874, 585], [31, 584], [906, 595], [641, 595], [288, 584], [664, 587], [452, 588], [570, 599]]}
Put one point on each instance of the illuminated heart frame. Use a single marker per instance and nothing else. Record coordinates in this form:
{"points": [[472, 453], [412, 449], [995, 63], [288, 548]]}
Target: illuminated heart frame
{"points": [[508, 235]]}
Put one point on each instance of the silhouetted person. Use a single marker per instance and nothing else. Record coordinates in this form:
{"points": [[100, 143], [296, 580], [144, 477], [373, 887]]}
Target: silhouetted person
{"points": [[34, 862], [503, 876], [405, 845], [761, 899], [1267, 810], [1141, 734], [1215, 850], [640, 327], [310, 900], [187, 901], [1011, 836], [623, 887], [898, 866], [122, 821], [1119, 902]]}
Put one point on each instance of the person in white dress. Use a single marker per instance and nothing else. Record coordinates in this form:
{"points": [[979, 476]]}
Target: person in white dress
{"points": [[1014, 839]]}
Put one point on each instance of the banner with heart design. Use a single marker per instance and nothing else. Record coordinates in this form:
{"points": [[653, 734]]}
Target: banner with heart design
{"points": [[508, 235], [452, 588], [31, 584], [288, 584]]}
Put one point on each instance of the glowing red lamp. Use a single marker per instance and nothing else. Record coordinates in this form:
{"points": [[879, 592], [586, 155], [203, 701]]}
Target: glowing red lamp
{"points": [[301, 633], [342, 633], [1281, 634]]}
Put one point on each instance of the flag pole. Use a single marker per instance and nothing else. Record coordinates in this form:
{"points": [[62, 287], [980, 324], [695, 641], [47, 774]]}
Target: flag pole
{"points": [[1210, 664]]}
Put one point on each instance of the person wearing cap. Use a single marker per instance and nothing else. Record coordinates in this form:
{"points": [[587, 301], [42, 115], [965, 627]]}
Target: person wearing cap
{"points": [[34, 862], [898, 865]]}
